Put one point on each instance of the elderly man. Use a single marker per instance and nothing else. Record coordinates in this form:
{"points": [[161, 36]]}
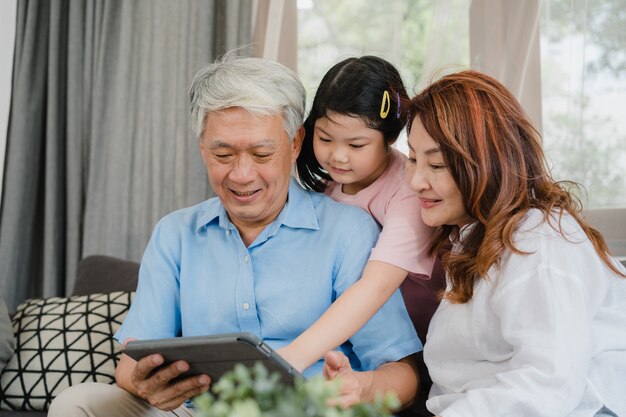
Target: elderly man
{"points": [[264, 256]]}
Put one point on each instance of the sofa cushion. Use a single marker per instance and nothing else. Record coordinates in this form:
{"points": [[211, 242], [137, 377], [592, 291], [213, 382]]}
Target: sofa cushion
{"points": [[61, 342], [6, 335], [102, 274]]}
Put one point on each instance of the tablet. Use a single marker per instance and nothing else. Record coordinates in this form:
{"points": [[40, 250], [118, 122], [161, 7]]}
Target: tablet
{"points": [[215, 355]]}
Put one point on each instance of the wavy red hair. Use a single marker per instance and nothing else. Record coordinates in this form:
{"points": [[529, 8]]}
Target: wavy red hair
{"points": [[496, 159]]}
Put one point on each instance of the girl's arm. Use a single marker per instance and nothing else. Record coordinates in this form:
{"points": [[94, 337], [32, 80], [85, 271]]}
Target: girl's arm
{"points": [[346, 315]]}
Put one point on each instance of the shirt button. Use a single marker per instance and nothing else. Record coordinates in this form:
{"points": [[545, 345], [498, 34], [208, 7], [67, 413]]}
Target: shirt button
{"points": [[246, 259], [227, 232], [245, 306]]}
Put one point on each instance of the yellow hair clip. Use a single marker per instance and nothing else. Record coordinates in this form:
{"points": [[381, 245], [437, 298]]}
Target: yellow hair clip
{"points": [[385, 104]]}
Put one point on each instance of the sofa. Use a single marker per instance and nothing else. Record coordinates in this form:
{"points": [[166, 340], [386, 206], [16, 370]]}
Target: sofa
{"points": [[62, 341]]}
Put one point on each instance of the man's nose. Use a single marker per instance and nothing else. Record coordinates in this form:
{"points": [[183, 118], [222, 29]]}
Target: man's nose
{"points": [[243, 169]]}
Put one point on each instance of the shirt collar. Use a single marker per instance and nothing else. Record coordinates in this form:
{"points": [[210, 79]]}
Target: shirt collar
{"points": [[465, 230], [298, 212], [458, 236]]}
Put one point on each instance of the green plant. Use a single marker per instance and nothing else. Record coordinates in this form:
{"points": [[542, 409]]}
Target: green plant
{"points": [[254, 392]]}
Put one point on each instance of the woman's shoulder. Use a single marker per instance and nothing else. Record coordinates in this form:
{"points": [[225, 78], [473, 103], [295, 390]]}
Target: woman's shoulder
{"points": [[550, 240], [555, 224]]}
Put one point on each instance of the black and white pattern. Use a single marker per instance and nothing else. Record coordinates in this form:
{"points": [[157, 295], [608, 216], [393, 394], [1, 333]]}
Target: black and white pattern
{"points": [[61, 342]]}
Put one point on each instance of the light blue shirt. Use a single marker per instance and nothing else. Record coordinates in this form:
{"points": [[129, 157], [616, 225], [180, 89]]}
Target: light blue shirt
{"points": [[197, 277]]}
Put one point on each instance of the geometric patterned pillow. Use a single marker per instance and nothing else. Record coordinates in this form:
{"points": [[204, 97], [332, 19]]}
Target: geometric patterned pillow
{"points": [[61, 342]]}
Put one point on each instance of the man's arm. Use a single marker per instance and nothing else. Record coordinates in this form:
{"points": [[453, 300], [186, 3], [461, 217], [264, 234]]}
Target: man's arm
{"points": [[400, 377]]}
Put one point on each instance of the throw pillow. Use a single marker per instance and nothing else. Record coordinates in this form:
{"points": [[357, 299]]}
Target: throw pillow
{"points": [[6, 335], [61, 342]]}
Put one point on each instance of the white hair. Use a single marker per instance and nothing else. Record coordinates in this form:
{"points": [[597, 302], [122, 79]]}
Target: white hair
{"points": [[257, 85]]}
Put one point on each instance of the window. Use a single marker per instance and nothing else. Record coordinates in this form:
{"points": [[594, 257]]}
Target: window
{"points": [[583, 72], [418, 37]]}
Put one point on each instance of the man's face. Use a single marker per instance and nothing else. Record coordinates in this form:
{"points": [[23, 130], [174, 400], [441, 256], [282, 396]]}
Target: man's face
{"points": [[249, 159]]}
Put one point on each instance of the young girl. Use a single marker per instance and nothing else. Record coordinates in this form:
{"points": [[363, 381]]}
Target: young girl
{"points": [[355, 118], [533, 321]]}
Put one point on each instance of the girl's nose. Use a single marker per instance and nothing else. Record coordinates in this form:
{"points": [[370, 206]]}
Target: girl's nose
{"points": [[339, 155]]}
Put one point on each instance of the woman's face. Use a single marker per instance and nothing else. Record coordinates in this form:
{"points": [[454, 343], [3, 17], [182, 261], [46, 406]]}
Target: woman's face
{"points": [[430, 178]]}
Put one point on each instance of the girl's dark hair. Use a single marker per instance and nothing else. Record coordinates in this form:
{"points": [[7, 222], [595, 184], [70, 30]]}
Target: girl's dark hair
{"points": [[354, 87]]}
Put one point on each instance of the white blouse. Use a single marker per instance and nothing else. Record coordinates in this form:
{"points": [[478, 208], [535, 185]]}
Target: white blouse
{"points": [[543, 335]]}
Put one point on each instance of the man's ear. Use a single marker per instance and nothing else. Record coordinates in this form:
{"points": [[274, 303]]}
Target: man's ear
{"points": [[297, 143], [201, 146]]}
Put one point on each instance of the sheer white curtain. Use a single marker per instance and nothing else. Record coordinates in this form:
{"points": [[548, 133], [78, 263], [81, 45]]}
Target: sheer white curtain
{"points": [[274, 31], [422, 38], [563, 59], [504, 43], [565, 62]]}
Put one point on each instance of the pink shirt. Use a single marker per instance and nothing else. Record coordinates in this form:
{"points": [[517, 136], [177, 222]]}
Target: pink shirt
{"points": [[404, 240]]}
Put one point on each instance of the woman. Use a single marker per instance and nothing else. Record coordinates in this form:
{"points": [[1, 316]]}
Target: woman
{"points": [[533, 320]]}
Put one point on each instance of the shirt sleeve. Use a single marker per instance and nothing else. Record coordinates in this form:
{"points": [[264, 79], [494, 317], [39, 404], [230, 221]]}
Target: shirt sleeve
{"points": [[405, 239], [155, 310], [389, 335], [545, 315]]}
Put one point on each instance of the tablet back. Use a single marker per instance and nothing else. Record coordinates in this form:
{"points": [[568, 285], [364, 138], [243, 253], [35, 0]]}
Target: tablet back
{"points": [[215, 355]]}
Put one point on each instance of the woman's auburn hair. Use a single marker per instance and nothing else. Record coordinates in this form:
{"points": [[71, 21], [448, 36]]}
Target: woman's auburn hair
{"points": [[495, 156]]}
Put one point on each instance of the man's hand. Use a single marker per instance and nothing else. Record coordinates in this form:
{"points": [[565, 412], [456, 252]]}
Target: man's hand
{"points": [[156, 386], [399, 377], [354, 385]]}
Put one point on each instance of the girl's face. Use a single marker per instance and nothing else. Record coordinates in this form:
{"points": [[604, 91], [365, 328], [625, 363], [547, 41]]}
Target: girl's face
{"points": [[353, 154], [428, 176]]}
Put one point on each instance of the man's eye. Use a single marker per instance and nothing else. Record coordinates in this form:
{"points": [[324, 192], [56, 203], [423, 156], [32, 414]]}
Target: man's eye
{"points": [[223, 156], [262, 155]]}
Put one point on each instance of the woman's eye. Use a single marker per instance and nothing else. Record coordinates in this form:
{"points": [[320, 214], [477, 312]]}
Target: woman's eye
{"points": [[411, 161], [325, 140], [355, 146], [437, 166]]}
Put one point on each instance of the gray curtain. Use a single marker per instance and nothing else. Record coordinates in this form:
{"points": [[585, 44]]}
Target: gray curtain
{"points": [[99, 145]]}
